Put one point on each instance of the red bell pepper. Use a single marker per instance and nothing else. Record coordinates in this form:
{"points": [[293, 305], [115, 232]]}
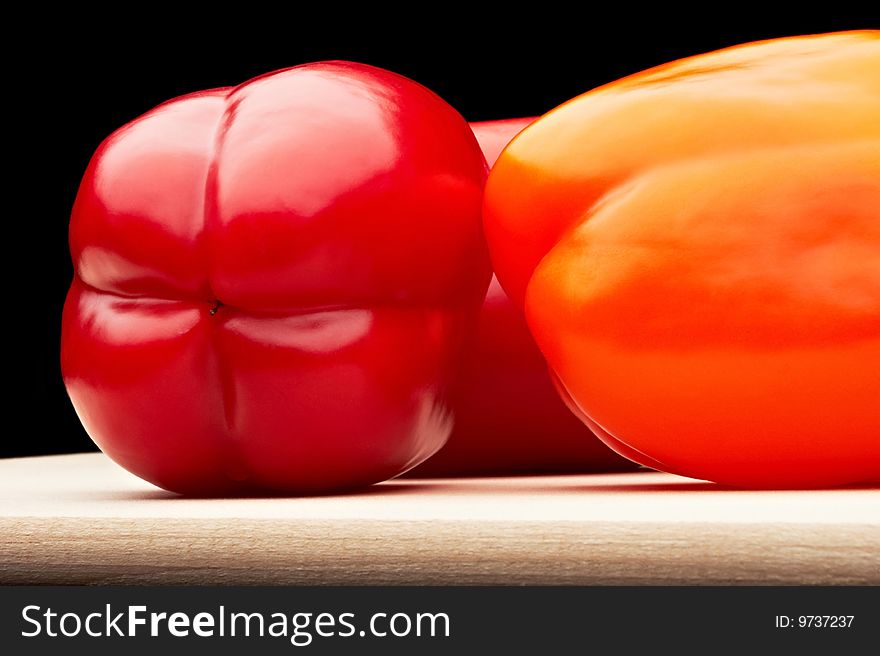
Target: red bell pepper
{"points": [[493, 136], [508, 416], [273, 281]]}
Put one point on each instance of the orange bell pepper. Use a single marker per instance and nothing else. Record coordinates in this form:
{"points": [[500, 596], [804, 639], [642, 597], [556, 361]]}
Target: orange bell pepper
{"points": [[697, 250]]}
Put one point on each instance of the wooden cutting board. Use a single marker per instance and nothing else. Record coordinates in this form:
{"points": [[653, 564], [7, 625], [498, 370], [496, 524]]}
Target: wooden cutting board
{"points": [[80, 519]]}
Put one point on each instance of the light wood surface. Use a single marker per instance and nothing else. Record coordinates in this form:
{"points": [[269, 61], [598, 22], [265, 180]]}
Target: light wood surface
{"points": [[81, 519]]}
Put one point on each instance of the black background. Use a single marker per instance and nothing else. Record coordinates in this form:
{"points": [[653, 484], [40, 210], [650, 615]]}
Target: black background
{"points": [[98, 79]]}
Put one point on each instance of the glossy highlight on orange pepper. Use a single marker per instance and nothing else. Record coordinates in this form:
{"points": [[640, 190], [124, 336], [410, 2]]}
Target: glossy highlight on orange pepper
{"points": [[697, 251], [274, 282]]}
